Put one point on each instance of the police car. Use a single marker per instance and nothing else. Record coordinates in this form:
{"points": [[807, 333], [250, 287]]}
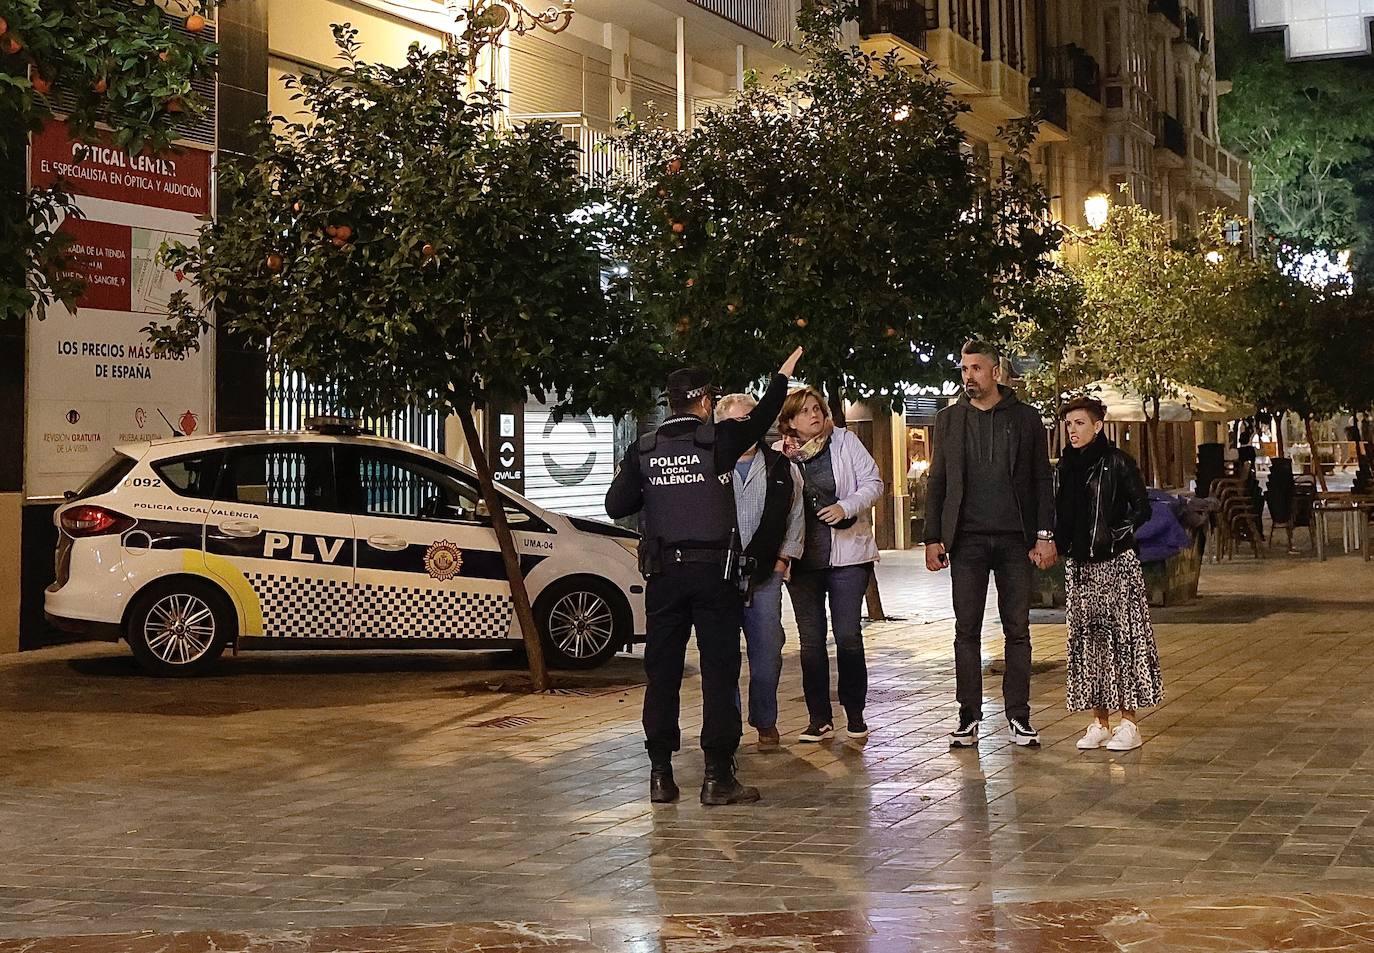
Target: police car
{"points": [[325, 538]]}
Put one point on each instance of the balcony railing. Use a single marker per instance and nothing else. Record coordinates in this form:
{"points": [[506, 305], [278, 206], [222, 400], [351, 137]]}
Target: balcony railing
{"points": [[600, 154], [1072, 67], [907, 20], [770, 19], [1049, 103], [1170, 134], [1209, 155], [1169, 9]]}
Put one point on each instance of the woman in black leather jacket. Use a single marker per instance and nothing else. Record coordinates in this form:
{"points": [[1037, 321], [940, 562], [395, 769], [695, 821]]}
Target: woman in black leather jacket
{"points": [[1100, 503]]}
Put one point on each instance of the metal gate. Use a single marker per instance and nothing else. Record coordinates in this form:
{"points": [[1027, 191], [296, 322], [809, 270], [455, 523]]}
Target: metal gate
{"points": [[291, 401]]}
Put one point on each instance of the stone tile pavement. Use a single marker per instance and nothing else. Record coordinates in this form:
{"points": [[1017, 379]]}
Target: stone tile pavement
{"points": [[299, 794]]}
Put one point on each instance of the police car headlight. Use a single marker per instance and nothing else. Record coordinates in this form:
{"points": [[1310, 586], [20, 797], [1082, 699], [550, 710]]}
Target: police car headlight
{"points": [[630, 546]]}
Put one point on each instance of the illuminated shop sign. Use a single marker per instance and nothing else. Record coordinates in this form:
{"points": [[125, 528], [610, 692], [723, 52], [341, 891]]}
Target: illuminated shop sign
{"points": [[1315, 29]]}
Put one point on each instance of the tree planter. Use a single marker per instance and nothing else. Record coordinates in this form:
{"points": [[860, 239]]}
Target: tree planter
{"points": [[1171, 582]]}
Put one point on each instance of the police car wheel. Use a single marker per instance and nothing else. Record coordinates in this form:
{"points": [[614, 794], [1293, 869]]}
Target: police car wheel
{"points": [[179, 628], [583, 622]]}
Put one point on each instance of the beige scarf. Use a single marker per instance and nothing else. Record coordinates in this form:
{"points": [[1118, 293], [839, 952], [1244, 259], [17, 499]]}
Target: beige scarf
{"points": [[800, 452]]}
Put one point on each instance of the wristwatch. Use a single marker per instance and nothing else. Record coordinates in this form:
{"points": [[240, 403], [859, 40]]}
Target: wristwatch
{"points": [[1044, 534]]}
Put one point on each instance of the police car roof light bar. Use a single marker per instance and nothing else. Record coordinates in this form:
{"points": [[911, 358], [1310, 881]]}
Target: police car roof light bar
{"points": [[336, 424]]}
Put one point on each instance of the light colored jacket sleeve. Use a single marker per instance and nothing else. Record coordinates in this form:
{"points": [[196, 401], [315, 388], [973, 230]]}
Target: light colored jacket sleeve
{"points": [[794, 540], [868, 484]]}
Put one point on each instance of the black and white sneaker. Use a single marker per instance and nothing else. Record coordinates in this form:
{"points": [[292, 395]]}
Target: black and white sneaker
{"points": [[816, 733], [966, 735], [1023, 734]]}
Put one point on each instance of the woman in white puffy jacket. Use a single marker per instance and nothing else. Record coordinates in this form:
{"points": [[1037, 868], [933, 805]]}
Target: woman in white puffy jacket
{"points": [[841, 484]]}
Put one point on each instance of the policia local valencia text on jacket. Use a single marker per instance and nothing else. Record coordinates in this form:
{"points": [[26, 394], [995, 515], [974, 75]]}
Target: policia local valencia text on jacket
{"points": [[678, 478]]}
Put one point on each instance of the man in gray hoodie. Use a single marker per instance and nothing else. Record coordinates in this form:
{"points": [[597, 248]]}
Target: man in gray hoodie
{"points": [[990, 511]]}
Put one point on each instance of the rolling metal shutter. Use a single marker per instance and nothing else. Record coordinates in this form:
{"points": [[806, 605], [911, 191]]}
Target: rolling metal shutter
{"points": [[569, 464]]}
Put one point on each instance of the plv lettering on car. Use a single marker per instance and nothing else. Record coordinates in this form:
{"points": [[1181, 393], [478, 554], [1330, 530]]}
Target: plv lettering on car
{"points": [[327, 550]]}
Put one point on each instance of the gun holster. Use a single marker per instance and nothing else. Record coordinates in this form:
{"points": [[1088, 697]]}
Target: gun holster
{"points": [[650, 556]]}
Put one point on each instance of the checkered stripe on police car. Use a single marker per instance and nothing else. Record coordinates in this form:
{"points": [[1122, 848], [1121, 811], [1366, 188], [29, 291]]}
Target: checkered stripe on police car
{"points": [[298, 608], [398, 612]]}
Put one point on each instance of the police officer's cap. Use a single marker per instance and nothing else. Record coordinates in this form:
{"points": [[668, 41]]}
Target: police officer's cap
{"points": [[688, 383]]}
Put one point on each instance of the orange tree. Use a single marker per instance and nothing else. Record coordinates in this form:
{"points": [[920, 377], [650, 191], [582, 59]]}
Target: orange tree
{"points": [[404, 247], [123, 66], [837, 208]]}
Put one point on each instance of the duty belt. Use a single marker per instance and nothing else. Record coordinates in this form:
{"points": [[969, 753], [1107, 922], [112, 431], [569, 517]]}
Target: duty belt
{"points": [[678, 555]]}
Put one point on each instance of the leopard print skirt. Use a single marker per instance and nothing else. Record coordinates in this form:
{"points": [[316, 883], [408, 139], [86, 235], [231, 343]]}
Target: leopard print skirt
{"points": [[1113, 659]]}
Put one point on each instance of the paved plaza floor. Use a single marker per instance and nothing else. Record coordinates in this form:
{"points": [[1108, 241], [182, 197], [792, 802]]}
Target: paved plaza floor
{"points": [[351, 802]]}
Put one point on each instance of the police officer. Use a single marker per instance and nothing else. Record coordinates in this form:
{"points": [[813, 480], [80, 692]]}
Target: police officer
{"points": [[679, 477]]}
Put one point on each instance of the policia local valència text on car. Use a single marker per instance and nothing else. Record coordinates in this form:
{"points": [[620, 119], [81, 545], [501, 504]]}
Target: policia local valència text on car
{"points": [[678, 477]]}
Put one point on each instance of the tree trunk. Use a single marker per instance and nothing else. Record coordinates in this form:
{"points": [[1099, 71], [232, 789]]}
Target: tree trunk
{"points": [[524, 612], [1312, 446], [836, 400], [1152, 442], [873, 599]]}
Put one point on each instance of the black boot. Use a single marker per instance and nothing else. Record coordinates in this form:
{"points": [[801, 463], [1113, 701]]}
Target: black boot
{"points": [[720, 786], [662, 787]]}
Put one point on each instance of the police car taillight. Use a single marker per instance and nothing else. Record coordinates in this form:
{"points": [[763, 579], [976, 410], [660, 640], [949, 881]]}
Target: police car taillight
{"points": [[80, 521]]}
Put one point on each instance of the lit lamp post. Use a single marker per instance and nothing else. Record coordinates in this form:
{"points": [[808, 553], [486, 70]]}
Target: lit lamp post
{"points": [[1096, 207]]}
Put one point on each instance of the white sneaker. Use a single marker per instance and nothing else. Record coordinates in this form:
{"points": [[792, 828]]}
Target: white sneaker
{"points": [[1095, 737], [1125, 738]]}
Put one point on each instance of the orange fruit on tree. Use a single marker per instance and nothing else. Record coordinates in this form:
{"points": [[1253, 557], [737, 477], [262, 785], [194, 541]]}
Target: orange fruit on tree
{"points": [[40, 85], [679, 228], [195, 23], [801, 322], [4, 26], [339, 241], [890, 332], [274, 262], [296, 207], [164, 56], [99, 86], [674, 167], [12, 45], [344, 232], [691, 281], [428, 250], [175, 105], [331, 230]]}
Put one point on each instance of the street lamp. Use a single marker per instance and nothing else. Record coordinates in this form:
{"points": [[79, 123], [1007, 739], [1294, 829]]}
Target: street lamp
{"points": [[1095, 209], [491, 18]]}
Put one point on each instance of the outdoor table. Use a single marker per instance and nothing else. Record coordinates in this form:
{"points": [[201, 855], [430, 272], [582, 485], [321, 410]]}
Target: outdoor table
{"points": [[1348, 506]]}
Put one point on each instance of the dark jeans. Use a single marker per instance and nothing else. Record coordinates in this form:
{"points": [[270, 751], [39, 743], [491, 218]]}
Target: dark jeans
{"points": [[1007, 557], [845, 585], [680, 598]]}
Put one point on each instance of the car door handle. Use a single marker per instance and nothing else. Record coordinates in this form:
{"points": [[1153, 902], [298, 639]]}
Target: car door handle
{"points": [[392, 544], [241, 528]]}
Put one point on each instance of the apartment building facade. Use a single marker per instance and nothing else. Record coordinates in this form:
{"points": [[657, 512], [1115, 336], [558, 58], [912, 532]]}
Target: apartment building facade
{"points": [[1126, 89]]}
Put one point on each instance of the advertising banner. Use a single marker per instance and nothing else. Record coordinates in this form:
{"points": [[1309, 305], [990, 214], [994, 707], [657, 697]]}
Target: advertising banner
{"points": [[93, 380]]}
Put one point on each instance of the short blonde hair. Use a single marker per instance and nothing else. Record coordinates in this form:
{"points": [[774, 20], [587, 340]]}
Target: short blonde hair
{"points": [[794, 403], [729, 402]]}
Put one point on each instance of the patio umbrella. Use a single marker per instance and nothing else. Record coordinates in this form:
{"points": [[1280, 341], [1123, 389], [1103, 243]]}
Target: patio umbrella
{"points": [[1189, 403], [1126, 406]]}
